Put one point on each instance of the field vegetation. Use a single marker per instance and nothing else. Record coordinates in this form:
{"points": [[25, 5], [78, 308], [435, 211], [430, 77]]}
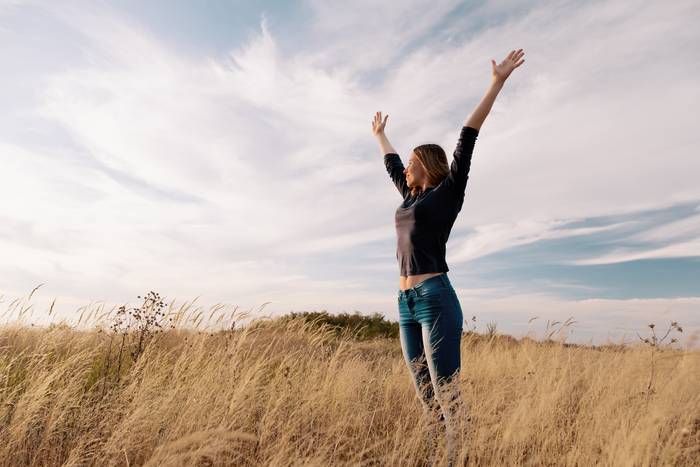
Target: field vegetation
{"points": [[146, 386]]}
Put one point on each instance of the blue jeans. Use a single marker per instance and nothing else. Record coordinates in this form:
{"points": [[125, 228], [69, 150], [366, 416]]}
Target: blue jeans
{"points": [[430, 330]]}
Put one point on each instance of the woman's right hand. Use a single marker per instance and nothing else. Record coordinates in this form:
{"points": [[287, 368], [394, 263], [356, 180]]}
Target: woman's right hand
{"points": [[378, 125]]}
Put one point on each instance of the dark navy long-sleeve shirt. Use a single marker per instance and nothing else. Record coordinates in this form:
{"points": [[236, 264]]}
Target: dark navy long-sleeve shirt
{"points": [[424, 222]]}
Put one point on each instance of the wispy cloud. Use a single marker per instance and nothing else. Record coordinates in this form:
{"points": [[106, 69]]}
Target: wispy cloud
{"points": [[225, 173], [677, 250], [491, 238]]}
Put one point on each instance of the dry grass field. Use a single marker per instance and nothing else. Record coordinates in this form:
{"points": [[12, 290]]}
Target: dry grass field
{"points": [[293, 393]]}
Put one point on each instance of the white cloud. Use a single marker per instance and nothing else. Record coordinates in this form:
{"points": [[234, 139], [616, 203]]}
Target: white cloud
{"points": [[277, 146], [363, 36], [676, 250], [491, 238], [597, 320], [6, 5], [682, 239], [673, 231]]}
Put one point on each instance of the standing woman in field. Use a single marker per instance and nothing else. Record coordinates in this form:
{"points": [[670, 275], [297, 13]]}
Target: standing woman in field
{"points": [[430, 316]]}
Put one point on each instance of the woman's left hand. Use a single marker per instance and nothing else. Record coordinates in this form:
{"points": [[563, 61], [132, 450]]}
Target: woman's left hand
{"points": [[510, 63]]}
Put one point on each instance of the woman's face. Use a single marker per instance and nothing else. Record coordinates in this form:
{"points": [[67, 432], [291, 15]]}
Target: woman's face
{"points": [[414, 171]]}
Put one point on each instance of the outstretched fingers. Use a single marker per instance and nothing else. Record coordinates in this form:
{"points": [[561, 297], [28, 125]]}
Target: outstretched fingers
{"points": [[517, 58], [377, 122]]}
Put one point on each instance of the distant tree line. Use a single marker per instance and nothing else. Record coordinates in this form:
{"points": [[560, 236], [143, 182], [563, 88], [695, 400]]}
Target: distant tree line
{"points": [[362, 326]]}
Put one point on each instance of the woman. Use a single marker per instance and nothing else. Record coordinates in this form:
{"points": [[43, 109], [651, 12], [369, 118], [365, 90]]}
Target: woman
{"points": [[430, 316]]}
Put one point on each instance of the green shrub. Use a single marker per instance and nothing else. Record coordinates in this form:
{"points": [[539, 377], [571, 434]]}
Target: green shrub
{"points": [[363, 327]]}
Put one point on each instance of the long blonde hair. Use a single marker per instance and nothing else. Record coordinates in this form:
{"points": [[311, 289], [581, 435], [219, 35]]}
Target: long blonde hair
{"points": [[434, 161]]}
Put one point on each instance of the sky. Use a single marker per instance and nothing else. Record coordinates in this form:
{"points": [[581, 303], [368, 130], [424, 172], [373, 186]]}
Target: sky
{"points": [[223, 152]]}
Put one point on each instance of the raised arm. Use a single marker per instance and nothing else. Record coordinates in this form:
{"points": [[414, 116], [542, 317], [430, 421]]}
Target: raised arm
{"points": [[392, 161], [499, 75], [457, 178], [378, 130]]}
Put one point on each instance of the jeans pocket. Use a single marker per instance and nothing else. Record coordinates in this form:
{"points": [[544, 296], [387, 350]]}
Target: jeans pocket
{"points": [[431, 293]]}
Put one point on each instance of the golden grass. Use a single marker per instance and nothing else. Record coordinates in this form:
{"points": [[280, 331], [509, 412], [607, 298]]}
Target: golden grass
{"points": [[293, 394]]}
